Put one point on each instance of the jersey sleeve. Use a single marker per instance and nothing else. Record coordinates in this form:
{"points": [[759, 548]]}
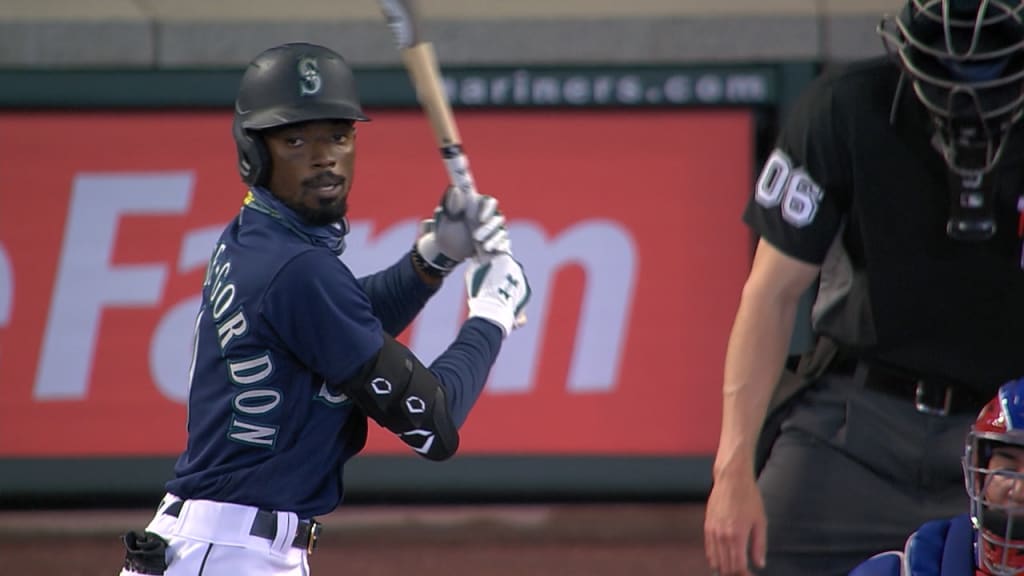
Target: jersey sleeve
{"points": [[800, 196], [883, 564], [938, 547], [321, 313], [943, 546], [397, 294]]}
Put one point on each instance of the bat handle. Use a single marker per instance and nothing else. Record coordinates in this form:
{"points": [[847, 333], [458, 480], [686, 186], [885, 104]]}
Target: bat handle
{"points": [[462, 179], [457, 164], [521, 320]]}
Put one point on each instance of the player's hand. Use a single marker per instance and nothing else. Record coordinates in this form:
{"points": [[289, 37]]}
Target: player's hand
{"points": [[498, 290], [734, 526], [462, 227]]}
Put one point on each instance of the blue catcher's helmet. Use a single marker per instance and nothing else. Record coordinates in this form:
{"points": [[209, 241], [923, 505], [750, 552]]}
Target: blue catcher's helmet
{"points": [[965, 62], [997, 491]]}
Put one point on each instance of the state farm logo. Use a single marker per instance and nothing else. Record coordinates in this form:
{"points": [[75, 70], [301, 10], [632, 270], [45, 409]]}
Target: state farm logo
{"points": [[87, 283]]}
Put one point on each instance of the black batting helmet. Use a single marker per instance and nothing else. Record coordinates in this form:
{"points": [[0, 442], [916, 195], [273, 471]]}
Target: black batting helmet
{"points": [[965, 62], [286, 84]]}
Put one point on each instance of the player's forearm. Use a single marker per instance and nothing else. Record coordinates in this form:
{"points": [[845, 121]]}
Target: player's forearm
{"points": [[397, 294], [756, 353], [463, 368]]}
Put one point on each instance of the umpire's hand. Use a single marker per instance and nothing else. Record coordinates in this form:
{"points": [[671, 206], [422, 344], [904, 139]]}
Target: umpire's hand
{"points": [[735, 525]]}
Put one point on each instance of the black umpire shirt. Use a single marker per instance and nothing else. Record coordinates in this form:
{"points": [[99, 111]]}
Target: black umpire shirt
{"points": [[867, 199]]}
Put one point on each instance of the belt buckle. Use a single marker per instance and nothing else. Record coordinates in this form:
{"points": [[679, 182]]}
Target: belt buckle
{"points": [[921, 406], [314, 536]]}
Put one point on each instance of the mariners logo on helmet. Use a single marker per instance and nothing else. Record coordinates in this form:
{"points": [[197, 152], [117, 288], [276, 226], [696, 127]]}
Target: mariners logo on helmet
{"points": [[309, 77]]}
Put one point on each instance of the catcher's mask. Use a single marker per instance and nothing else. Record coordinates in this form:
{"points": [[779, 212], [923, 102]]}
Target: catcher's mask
{"points": [[965, 62], [996, 490]]}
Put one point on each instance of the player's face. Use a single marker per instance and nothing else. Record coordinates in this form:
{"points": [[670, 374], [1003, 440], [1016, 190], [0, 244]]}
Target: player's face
{"points": [[311, 167], [1005, 485]]}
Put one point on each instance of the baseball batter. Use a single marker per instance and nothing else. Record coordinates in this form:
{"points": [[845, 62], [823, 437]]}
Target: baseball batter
{"points": [[292, 352]]}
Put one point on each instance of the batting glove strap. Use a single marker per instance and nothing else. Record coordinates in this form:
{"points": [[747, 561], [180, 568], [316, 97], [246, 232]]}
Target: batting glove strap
{"points": [[429, 257]]}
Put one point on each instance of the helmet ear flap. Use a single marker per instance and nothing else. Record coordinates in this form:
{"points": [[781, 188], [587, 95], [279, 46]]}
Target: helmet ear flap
{"points": [[253, 157]]}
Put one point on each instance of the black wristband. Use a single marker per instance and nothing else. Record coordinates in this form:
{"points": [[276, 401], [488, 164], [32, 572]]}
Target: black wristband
{"points": [[420, 262]]}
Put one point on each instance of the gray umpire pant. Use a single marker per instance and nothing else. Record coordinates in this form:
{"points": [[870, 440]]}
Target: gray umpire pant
{"points": [[853, 473]]}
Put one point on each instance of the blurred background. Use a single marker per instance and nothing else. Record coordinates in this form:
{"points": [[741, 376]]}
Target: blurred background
{"points": [[622, 139]]}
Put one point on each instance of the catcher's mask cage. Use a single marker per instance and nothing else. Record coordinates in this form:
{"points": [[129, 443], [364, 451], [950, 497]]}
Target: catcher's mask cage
{"points": [[965, 62]]}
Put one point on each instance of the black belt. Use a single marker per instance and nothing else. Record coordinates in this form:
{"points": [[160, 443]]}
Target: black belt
{"points": [[265, 526], [929, 396]]}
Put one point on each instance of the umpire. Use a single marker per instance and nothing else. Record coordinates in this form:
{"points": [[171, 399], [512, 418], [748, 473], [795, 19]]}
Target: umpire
{"points": [[898, 184], [292, 353]]}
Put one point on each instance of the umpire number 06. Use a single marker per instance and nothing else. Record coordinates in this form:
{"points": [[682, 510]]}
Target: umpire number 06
{"points": [[791, 188]]}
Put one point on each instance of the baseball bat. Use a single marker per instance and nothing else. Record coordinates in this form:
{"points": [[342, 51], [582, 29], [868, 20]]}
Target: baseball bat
{"points": [[421, 63]]}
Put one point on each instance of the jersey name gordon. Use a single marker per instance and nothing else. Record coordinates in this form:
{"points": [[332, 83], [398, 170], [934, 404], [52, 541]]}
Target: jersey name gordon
{"points": [[789, 188], [248, 373]]}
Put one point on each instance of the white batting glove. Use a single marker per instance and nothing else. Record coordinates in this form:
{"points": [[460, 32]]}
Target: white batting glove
{"points": [[462, 227], [498, 290]]}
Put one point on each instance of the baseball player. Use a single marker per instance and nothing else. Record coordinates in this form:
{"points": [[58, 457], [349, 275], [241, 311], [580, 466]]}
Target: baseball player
{"points": [[990, 540], [292, 353], [895, 185]]}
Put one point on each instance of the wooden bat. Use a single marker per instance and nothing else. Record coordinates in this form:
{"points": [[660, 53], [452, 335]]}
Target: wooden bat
{"points": [[421, 63]]}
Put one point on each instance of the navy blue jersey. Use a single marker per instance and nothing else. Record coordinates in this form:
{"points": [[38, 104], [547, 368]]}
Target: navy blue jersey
{"points": [[282, 318]]}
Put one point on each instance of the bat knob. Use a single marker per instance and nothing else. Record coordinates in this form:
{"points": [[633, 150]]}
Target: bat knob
{"points": [[521, 320]]}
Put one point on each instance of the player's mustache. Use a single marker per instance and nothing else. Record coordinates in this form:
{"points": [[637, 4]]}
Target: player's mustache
{"points": [[323, 179]]}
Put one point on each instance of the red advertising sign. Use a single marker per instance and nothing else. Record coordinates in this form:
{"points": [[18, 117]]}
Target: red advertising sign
{"points": [[628, 224]]}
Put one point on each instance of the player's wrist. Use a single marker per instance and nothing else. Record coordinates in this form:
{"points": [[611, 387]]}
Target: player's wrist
{"points": [[498, 313], [429, 274], [428, 251]]}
